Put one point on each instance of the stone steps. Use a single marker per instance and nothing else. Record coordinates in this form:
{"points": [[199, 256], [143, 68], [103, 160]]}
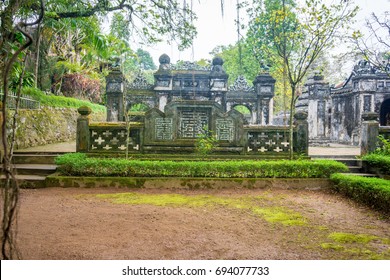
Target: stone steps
{"points": [[34, 157], [35, 169], [31, 169], [354, 164], [28, 181]]}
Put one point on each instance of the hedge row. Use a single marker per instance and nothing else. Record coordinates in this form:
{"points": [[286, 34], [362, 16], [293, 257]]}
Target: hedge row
{"points": [[382, 162], [61, 101], [373, 192], [77, 164]]}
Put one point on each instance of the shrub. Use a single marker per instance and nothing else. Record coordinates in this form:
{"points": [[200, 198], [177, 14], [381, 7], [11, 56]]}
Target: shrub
{"points": [[373, 192], [80, 165], [384, 146], [205, 143], [380, 161], [61, 101]]}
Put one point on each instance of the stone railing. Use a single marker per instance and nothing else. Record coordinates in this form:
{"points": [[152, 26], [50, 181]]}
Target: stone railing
{"points": [[111, 137], [105, 137], [267, 140]]}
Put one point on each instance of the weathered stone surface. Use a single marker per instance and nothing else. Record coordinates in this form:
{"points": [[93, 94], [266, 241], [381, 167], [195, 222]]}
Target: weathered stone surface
{"points": [[370, 130], [46, 125], [335, 113]]}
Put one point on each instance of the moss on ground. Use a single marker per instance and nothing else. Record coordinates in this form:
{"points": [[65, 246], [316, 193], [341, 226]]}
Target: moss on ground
{"points": [[300, 230]]}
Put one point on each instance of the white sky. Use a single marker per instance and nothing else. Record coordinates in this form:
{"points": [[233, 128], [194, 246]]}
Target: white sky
{"points": [[214, 30]]}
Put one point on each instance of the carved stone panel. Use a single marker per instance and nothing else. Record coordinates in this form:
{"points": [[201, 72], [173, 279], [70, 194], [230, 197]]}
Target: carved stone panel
{"points": [[193, 122], [225, 129], [164, 129], [114, 87], [321, 109], [367, 103]]}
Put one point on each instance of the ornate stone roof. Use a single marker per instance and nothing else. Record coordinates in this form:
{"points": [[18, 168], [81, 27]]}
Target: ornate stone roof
{"points": [[140, 82], [241, 84]]}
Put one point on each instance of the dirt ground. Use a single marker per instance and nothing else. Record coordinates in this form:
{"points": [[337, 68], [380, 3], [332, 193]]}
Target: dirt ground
{"points": [[56, 223]]}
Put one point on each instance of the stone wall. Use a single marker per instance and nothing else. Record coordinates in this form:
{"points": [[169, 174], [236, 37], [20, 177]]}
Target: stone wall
{"points": [[47, 125]]}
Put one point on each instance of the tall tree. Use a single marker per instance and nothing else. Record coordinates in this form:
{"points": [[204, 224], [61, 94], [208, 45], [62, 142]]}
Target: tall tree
{"points": [[298, 34], [14, 41], [145, 60], [149, 20], [375, 46]]}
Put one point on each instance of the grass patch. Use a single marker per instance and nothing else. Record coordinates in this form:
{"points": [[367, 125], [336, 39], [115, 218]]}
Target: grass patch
{"points": [[343, 237], [279, 215], [61, 101], [358, 245], [373, 192], [332, 246], [77, 164]]}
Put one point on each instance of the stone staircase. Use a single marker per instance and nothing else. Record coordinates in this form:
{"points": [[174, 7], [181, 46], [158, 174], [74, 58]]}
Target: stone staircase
{"points": [[354, 164], [32, 168]]}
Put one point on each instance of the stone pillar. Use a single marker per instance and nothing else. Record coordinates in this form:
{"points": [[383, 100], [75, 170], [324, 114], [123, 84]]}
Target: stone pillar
{"points": [[82, 133], [370, 132], [265, 90], [115, 93], [301, 134]]}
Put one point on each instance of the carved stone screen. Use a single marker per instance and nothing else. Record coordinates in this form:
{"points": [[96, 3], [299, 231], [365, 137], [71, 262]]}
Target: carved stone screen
{"points": [[225, 129], [268, 141], [110, 139], [193, 122], [164, 128]]}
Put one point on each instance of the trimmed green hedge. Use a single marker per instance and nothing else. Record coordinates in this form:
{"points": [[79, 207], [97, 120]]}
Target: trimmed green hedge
{"points": [[382, 162], [61, 101], [77, 164], [373, 192]]}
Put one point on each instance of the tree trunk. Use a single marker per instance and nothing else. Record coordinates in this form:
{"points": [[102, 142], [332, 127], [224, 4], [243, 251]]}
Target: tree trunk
{"points": [[37, 56], [291, 125]]}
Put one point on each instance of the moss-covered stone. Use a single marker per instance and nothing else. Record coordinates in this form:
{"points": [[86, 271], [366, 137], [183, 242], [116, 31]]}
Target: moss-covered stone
{"points": [[46, 125]]}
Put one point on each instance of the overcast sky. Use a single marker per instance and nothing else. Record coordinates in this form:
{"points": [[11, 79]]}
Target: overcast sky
{"points": [[214, 30]]}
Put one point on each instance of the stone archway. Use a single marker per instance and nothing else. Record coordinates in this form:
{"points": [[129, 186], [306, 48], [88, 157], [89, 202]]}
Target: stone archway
{"points": [[384, 115], [246, 110]]}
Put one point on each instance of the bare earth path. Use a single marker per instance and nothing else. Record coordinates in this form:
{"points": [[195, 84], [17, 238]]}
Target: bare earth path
{"points": [[57, 223]]}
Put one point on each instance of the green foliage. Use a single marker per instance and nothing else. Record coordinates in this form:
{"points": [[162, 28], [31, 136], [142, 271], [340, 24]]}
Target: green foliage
{"points": [[384, 148], [145, 60], [242, 109], [380, 161], [17, 72], [80, 165], [68, 67], [206, 143], [373, 192], [139, 107], [60, 101], [230, 54]]}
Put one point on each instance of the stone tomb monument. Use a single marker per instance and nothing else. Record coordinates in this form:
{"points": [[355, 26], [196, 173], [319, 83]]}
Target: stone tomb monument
{"points": [[188, 100]]}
